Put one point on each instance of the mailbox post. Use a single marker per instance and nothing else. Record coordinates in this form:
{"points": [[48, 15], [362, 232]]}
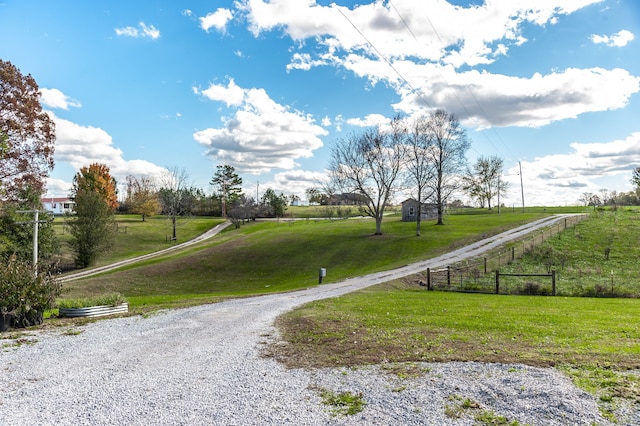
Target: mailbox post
{"points": [[321, 274]]}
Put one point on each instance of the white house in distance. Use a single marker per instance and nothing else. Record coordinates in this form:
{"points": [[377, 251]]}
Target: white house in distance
{"points": [[58, 205]]}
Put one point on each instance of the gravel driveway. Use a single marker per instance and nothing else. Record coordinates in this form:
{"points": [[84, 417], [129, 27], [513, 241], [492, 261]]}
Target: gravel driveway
{"points": [[202, 366]]}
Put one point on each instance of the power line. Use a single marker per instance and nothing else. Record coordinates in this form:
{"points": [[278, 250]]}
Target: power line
{"points": [[483, 112], [385, 59]]}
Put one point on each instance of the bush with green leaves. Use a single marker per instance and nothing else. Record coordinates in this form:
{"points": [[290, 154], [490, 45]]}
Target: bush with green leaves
{"points": [[24, 296], [92, 228]]}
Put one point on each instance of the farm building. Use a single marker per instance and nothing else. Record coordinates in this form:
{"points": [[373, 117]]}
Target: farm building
{"points": [[410, 210]]}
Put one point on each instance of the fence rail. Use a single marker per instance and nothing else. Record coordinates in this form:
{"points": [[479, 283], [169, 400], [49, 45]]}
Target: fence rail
{"points": [[482, 274]]}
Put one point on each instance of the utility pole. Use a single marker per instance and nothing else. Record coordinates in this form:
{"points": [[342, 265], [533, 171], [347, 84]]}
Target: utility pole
{"points": [[521, 186], [498, 193], [35, 222]]}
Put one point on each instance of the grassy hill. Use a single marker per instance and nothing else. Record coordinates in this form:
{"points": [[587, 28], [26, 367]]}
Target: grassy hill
{"points": [[264, 257]]}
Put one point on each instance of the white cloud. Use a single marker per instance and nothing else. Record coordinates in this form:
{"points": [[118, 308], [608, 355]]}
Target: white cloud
{"points": [[371, 120], [516, 101], [58, 188], [480, 32], [80, 146], [296, 182], [426, 55], [560, 179], [232, 94], [262, 135], [303, 61], [619, 39], [54, 98], [217, 20], [127, 31], [142, 30]]}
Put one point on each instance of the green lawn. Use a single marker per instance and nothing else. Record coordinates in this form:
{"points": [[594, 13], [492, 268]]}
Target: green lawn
{"points": [[398, 322], [281, 256], [598, 257], [135, 237]]}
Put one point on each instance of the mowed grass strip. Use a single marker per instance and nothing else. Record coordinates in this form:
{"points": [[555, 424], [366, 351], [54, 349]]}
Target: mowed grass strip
{"points": [[135, 237], [275, 256], [395, 322]]}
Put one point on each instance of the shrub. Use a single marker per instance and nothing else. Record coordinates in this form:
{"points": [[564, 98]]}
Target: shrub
{"points": [[24, 296]]}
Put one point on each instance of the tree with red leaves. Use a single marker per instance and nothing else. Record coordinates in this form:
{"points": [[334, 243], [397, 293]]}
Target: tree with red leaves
{"points": [[27, 134]]}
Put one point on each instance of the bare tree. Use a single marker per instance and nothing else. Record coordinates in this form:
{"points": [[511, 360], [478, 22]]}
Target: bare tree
{"points": [[585, 198], [420, 169], [635, 179], [483, 182], [242, 209], [447, 149], [175, 195], [367, 166]]}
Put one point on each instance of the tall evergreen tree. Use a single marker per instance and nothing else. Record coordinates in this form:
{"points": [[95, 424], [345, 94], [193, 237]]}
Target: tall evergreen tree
{"points": [[228, 183]]}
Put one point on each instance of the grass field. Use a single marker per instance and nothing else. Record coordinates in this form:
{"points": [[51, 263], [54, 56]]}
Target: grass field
{"points": [[397, 322], [135, 237], [598, 257], [275, 256]]}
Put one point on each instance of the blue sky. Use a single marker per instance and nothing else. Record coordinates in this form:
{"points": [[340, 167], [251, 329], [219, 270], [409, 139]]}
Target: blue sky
{"points": [[269, 86]]}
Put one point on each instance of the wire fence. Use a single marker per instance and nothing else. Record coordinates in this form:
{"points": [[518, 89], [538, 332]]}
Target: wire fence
{"points": [[482, 275]]}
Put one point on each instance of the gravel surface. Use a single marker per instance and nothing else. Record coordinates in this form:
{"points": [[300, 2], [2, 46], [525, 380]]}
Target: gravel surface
{"points": [[202, 365]]}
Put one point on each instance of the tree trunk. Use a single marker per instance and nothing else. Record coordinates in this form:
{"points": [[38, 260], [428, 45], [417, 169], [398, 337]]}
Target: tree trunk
{"points": [[439, 197], [379, 224], [173, 220], [419, 218], [440, 208]]}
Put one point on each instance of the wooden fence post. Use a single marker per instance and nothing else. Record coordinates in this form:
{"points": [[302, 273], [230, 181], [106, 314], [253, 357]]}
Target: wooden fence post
{"points": [[513, 253], [553, 282], [428, 278], [485, 266], [497, 281], [448, 276]]}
